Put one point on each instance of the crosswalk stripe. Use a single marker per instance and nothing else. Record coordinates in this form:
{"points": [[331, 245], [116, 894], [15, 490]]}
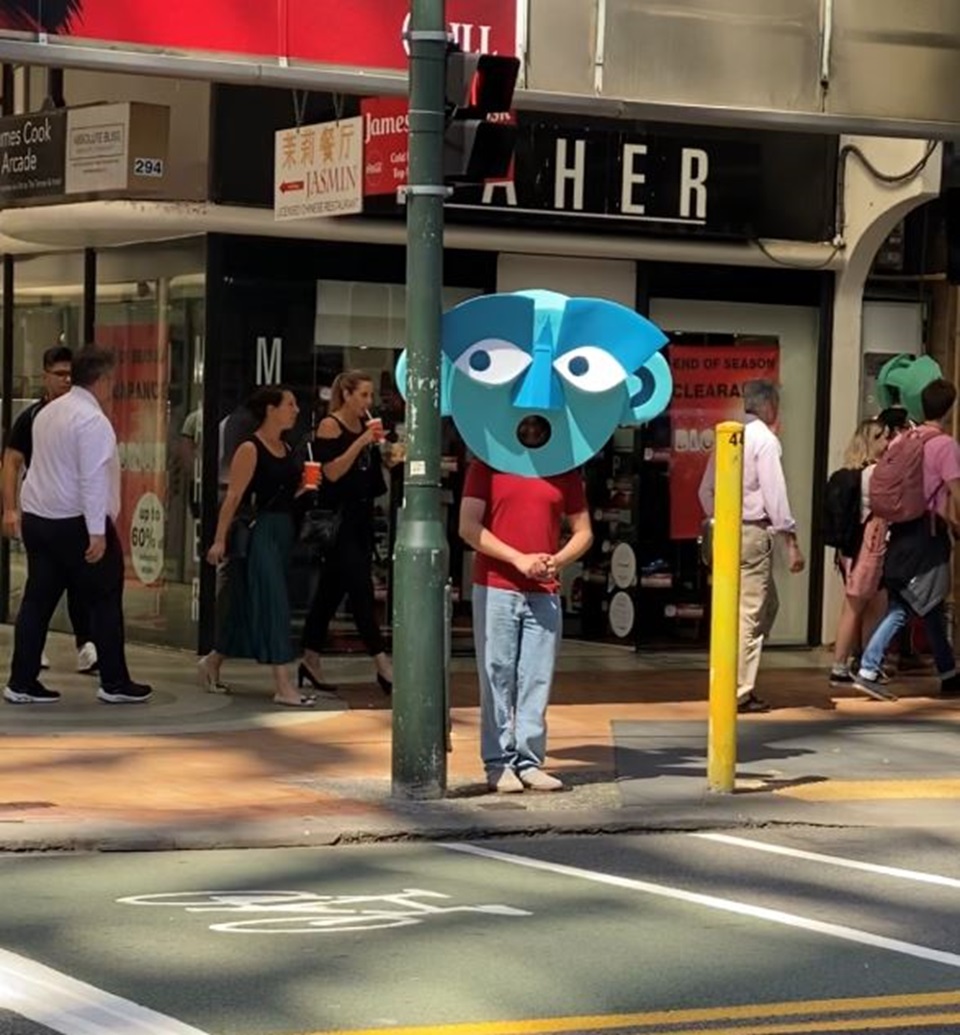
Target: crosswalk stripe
{"points": [[71, 1007], [831, 860], [726, 905]]}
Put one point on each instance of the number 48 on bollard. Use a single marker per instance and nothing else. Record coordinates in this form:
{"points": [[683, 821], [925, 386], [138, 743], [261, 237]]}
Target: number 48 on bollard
{"points": [[725, 608]]}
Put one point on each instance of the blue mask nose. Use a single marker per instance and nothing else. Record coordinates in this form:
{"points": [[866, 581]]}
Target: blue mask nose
{"points": [[540, 388]]}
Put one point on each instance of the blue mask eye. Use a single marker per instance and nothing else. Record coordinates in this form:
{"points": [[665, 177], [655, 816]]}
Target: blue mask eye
{"points": [[590, 369], [494, 362]]}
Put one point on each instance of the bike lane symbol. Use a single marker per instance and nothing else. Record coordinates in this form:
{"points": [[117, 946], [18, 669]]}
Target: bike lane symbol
{"points": [[302, 912]]}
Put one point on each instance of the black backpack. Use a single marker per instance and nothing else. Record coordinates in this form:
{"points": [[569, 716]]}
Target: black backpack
{"points": [[842, 528]]}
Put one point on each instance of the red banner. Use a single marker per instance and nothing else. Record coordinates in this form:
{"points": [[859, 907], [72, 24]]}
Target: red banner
{"points": [[707, 385], [364, 33], [386, 143], [139, 415]]}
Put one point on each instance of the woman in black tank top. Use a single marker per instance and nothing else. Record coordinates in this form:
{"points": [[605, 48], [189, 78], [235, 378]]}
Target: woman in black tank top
{"points": [[254, 619], [347, 444]]}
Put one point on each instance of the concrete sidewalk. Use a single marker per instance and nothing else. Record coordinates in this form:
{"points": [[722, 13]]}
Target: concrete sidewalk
{"points": [[627, 733]]}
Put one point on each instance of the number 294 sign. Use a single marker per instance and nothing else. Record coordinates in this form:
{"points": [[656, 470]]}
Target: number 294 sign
{"points": [[152, 167]]}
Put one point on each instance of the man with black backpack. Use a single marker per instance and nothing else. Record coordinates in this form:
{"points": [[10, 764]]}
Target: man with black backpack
{"points": [[915, 485]]}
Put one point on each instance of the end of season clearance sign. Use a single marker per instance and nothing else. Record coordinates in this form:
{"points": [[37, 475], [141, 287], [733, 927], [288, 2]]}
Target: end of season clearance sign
{"points": [[708, 385], [363, 33]]}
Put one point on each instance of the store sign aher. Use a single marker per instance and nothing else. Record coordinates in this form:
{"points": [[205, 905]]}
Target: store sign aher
{"points": [[563, 173]]}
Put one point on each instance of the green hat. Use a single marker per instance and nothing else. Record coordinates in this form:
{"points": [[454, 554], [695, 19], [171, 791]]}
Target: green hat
{"points": [[902, 380]]}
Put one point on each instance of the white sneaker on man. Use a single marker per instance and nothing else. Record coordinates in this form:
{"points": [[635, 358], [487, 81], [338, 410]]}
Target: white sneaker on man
{"points": [[87, 659], [538, 780], [504, 781]]}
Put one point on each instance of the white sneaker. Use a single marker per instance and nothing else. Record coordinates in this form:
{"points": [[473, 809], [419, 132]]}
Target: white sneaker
{"points": [[504, 781], [87, 659], [44, 661], [538, 780]]}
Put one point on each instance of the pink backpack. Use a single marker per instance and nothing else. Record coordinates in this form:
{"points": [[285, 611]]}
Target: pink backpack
{"points": [[896, 488], [864, 578]]}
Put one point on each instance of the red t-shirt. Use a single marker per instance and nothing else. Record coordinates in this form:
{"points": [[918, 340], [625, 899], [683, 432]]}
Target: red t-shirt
{"points": [[524, 513]]}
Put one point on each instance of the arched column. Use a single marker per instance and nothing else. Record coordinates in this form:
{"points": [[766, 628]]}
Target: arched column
{"points": [[871, 209]]}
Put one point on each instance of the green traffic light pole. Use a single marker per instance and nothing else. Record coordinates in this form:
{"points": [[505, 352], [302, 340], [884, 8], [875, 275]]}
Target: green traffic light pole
{"points": [[422, 555]]}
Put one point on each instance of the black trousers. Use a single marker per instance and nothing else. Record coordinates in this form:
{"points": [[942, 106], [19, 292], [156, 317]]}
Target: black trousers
{"points": [[79, 618], [55, 563], [347, 571]]}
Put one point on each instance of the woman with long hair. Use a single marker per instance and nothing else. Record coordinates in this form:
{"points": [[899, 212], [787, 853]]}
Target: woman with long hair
{"points": [[346, 443], [860, 613], [265, 479]]}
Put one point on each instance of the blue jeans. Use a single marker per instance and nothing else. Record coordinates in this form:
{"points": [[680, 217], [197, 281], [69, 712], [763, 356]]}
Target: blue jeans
{"points": [[935, 622], [517, 636]]}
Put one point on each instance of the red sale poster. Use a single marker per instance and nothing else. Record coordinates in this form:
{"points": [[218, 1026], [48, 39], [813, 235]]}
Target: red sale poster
{"points": [[139, 415], [364, 33], [707, 386]]}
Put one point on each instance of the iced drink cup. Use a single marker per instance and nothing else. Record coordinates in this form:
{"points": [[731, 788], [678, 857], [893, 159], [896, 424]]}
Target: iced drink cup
{"points": [[311, 475]]}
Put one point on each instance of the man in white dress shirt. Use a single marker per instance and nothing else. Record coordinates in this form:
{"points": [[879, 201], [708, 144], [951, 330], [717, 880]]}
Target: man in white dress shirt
{"points": [[766, 515], [70, 501]]}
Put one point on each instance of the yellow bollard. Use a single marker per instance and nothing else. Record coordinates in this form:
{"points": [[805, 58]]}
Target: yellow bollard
{"points": [[725, 608]]}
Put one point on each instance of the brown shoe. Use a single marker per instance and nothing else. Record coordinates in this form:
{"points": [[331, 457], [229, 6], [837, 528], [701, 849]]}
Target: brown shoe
{"points": [[538, 780], [504, 781]]}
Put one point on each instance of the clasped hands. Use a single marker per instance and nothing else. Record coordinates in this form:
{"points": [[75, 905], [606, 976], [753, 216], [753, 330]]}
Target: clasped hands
{"points": [[540, 566]]}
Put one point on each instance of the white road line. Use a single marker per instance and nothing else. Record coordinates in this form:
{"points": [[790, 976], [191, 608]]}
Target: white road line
{"points": [[833, 860], [776, 916], [72, 1007]]}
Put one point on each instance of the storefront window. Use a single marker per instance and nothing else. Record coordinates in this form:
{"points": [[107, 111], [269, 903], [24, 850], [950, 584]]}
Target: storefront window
{"points": [[48, 294], [363, 326], [715, 348], [150, 311]]}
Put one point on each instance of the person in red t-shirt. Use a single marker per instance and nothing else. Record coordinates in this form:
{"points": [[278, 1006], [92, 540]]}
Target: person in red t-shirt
{"points": [[514, 524]]}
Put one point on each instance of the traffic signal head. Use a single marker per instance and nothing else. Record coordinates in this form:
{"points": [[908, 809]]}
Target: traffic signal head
{"points": [[476, 147], [475, 151], [480, 84]]}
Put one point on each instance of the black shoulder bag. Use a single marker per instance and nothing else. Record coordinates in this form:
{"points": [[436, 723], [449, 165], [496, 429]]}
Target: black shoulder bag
{"points": [[320, 525], [241, 528]]}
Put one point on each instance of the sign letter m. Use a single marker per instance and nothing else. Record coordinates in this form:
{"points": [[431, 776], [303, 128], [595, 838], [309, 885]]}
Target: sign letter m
{"points": [[269, 364]]}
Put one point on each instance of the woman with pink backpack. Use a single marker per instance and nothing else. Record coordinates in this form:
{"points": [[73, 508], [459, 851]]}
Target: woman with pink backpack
{"points": [[860, 541], [916, 489]]}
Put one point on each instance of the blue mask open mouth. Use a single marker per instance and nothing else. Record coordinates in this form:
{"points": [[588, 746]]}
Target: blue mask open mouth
{"points": [[534, 432]]}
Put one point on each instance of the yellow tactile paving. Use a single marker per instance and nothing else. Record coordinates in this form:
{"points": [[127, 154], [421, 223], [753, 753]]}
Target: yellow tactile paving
{"points": [[874, 790]]}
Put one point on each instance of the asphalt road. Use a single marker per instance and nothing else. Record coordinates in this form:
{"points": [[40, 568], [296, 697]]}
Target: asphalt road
{"points": [[772, 932]]}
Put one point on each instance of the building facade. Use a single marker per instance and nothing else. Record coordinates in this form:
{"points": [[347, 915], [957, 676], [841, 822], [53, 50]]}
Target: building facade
{"points": [[752, 248]]}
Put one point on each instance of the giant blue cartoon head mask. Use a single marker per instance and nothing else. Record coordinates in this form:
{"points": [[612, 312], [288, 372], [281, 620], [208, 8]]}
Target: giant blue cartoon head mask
{"points": [[579, 367]]}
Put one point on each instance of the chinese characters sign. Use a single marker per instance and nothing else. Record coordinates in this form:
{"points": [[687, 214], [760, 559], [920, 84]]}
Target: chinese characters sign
{"points": [[318, 170]]}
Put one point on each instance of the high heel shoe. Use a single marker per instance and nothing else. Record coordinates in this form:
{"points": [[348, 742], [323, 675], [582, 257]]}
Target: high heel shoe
{"points": [[304, 675], [208, 682], [386, 685]]}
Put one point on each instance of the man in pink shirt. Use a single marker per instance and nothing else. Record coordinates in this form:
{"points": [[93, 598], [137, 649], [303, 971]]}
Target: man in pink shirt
{"points": [[916, 569], [766, 515]]}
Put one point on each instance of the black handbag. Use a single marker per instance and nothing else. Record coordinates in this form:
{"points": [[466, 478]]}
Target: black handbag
{"points": [[319, 523], [320, 527], [241, 529], [239, 535]]}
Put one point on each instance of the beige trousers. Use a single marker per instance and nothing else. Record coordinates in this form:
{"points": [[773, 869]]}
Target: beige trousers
{"points": [[758, 603]]}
